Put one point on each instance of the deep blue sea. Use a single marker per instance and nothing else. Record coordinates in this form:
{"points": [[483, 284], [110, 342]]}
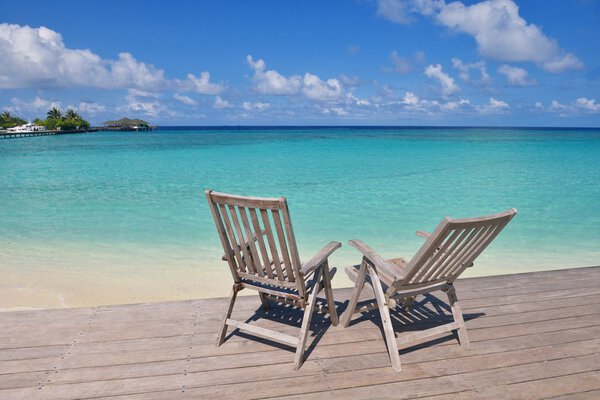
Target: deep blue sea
{"points": [[121, 217]]}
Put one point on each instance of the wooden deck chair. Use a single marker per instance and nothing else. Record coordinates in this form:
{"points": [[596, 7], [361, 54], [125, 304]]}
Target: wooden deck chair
{"points": [[260, 248], [446, 253]]}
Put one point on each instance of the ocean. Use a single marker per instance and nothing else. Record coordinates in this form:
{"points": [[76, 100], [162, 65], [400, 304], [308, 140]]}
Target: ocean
{"points": [[106, 218]]}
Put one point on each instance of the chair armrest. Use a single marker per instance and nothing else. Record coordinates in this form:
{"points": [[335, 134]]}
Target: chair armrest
{"points": [[380, 264], [319, 258], [254, 239], [423, 234]]}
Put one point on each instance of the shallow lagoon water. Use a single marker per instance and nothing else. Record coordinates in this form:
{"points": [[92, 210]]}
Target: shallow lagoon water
{"points": [[121, 217]]}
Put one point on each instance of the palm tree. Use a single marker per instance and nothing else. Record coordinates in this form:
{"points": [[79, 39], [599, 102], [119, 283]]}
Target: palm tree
{"points": [[6, 116], [54, 113], [71, 114]]}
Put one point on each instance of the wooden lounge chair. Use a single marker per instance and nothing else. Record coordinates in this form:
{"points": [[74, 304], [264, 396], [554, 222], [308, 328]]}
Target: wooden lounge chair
{"points": [[446, 253], [260, 248]]}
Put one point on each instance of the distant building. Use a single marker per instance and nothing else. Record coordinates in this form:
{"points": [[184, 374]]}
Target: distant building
{"points": [[126, 124]]}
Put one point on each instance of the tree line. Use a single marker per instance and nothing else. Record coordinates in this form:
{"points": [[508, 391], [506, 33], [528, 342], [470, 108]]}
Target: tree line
{"points": [[55, 119]]}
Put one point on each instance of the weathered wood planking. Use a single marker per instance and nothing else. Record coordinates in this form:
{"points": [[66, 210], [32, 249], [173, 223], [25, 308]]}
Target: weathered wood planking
{"points": [[533, 336]]}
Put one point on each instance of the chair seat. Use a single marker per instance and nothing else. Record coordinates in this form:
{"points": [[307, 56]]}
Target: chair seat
{"points": [[398, 265]]}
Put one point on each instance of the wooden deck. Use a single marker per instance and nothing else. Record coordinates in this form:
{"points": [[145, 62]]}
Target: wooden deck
{"points": [[533, 336]]}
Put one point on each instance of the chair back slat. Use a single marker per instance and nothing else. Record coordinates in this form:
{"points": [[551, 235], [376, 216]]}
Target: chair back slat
{"points": [[256, 261], [242, 241], [261, 243], [231, 239], [262, 248], [272, 245], [453, 246], [283, 246], [426, 273]]}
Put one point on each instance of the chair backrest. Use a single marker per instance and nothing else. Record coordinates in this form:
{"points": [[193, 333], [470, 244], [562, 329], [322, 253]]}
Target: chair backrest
{"points": [[258, 239], [452, 247]]}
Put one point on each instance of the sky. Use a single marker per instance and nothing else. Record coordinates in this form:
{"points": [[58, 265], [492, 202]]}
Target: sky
{"points": [[334, 62]]}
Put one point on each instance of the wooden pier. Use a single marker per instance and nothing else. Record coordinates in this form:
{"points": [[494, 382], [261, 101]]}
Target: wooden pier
{"points": [[533, 336], [15, 135]]}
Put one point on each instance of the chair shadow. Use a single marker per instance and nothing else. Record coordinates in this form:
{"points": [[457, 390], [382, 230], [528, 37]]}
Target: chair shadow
{"points": [[291, 316], [428, 312]]}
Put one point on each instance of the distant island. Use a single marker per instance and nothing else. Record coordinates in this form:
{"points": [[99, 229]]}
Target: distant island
{"points": [[55, 121]]}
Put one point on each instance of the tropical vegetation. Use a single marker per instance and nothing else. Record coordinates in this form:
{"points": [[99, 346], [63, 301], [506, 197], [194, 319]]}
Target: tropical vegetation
{"points": [[70, 120], [9, 121]]}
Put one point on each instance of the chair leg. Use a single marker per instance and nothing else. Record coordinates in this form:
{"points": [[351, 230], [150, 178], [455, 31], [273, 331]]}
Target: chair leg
{"points": [[264, 300], [329, 295], [463, 336], [358, 287], [386, 320], [308, 312], [223, 327]]}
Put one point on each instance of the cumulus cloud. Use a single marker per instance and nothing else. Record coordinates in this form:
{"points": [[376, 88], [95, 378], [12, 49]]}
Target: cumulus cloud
{"points": [[516, 76], [587, 104], [465, 69], [185, 99], [410, 99], [258, 106], [201, 84], [38, 57], [147, 103], [316, 89], [448, 86], [221, 104], [271, 81], [498, 29], [493, 106], [578, 106], [311, 86]]}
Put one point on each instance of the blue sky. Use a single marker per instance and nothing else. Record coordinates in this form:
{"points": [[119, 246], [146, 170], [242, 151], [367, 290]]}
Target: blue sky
{"points": [[386, 62]]}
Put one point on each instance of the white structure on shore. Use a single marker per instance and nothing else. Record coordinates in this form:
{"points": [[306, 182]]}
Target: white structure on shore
{"points": [[27, 128]]}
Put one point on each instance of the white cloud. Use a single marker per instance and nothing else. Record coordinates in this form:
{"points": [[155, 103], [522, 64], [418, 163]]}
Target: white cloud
{"points": [[311, 86], [465, 69], [38, 57], [201, 84], [498, 29], [147, 103], [185, 100], [314, 88], [448, 86], [556, 106], [258, 106], [563, 63], [37, 106], [454, 105], [587, 104], [516, 76], [271, 81], [90, 107], [221, 104], [410, 99], [493, 106]]}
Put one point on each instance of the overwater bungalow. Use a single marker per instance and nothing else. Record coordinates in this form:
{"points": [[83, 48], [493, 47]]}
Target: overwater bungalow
{"points": [[126, 124]]}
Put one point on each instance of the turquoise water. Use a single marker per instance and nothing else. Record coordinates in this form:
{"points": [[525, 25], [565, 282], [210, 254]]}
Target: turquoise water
{"points": [[130, 203]]}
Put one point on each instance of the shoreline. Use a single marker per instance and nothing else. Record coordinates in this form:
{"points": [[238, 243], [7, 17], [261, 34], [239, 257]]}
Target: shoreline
{"points": [[63, 289]]}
